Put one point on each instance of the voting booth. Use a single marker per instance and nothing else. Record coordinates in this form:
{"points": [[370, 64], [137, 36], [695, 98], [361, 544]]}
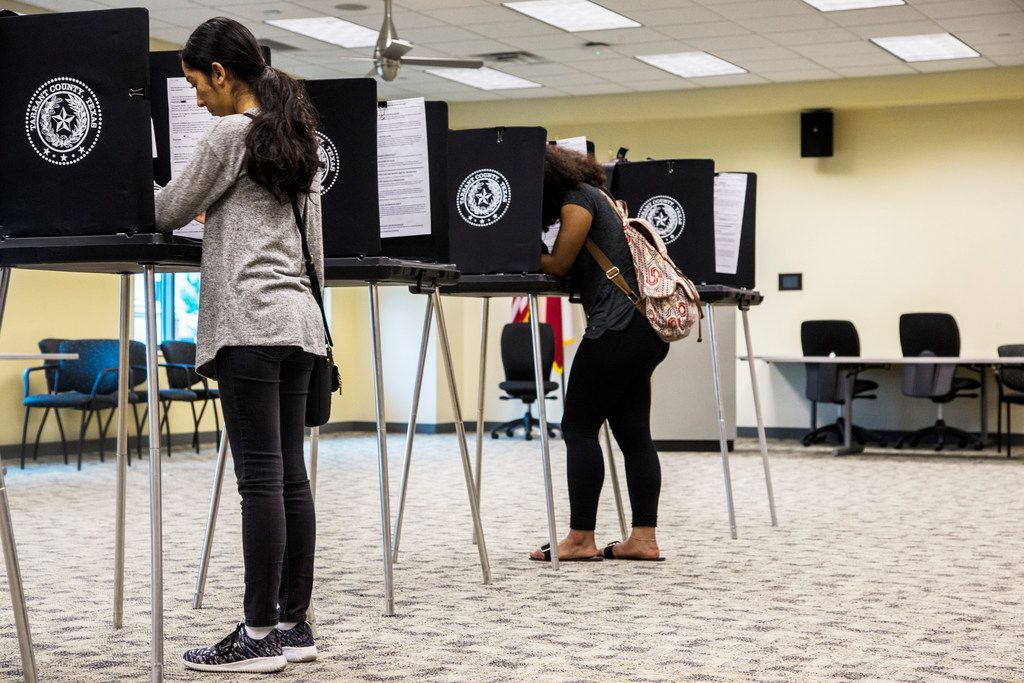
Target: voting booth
{"points": [[495, 190], [77, 152]]}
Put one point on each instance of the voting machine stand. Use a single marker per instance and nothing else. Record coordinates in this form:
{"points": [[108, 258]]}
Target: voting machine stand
{"points": [[355, 255], [78, 197]]}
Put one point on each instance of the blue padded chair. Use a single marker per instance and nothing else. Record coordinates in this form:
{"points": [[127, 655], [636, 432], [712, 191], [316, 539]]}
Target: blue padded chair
{"points": [[89, 384], [48, 401], [182, 378]]}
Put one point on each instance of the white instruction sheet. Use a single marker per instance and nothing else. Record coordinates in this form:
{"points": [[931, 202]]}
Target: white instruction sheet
{"points": [[186, 124], [730, 199], [576, 144], [403, 170]]}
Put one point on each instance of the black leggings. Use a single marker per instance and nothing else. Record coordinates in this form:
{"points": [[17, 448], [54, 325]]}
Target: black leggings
{"points": [[263, 390], [611, 380]]}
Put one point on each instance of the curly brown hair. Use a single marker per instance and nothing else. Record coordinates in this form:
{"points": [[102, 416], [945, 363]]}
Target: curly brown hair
{"points": [[565, 170]]}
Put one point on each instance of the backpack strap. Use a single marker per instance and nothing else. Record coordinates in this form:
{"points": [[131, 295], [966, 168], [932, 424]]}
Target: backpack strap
{"points": [[611, 271]]}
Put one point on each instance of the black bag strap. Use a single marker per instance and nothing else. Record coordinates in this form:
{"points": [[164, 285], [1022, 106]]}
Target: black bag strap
{"points": [[314, 279]]}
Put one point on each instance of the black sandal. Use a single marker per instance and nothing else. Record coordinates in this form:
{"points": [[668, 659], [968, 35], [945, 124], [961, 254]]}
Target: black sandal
{"points": [[547, 556], [608, 554]]}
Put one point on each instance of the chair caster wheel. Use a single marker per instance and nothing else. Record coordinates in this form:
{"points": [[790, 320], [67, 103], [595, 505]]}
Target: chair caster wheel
{"points": [[978, 446], [494, 436], [898, 446], [805, 442]]}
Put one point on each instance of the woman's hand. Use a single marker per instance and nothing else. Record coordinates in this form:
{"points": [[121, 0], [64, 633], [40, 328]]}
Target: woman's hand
{"points": [[201, 218], [576, 223]]}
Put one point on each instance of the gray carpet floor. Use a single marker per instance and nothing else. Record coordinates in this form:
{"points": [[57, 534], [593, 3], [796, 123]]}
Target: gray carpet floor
{"points": [[885, 567]]}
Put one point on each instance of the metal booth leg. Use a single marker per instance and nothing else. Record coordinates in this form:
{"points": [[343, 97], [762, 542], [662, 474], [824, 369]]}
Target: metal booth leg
{"points": [[615, 482], [155, 503], [761, 439], [28, 657], [314, 453], [460, 431], [410, 433], [484, 320], [382, 452], [211, 521], [545, 448], [722, 442], [123, 373]]}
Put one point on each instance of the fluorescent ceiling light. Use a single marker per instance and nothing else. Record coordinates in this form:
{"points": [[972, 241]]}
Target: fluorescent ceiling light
{"points": [[573, 15], [836, 5], [692, 64], [330, 30], [485, 78], [926, 48]]}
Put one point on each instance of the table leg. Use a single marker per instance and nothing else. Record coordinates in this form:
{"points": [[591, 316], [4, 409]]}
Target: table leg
{"points": [[382, 451], [484, 320], [761, 438], [848, 447], [21, 626], [616, 489], [314, 453], [123, 373], [723, 443], [410, 433], [211, 521], [155, 503], [460, 431], [545, 447], [984, 404]]}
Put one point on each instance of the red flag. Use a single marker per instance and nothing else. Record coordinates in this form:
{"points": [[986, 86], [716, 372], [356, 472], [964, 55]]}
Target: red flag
{"points": [[553, 317], [520, 309]]}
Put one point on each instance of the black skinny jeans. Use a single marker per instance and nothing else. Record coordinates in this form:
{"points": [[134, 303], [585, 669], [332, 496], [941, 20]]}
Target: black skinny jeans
{"points": [[263, 390], [611, 380]]}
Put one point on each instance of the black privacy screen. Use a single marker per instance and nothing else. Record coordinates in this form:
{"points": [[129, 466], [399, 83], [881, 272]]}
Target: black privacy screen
{"points": [[75, 122], [348, 138], [677, 196], [495, 187]]}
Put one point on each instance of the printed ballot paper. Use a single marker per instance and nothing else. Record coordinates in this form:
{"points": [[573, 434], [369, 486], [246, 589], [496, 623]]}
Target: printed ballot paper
{"points": [[187, 123], [730, 198], [403, 173], [576, 144]]}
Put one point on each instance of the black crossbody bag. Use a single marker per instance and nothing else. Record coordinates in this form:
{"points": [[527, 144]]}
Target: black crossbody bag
{"points": [[325, 377]]}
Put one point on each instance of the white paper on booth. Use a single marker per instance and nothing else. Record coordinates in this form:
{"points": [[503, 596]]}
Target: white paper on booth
{"points": [[730, 198], [186, 125], [152, 134], [549, 236], [576, 144], [403, 168]]}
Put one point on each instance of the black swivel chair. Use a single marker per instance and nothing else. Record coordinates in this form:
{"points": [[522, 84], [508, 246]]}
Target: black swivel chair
{"points": [[180, 362], [519, 384], [826, 383], [48, 401], [934, 334], [1010, 380]]}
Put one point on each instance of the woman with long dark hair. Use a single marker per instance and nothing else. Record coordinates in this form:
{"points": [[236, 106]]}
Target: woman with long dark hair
{"points": [[611, 372], [259, 324]]}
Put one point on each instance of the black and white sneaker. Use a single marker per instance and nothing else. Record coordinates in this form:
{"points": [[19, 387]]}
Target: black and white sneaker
{"points": [[239, 652], [297, 643]]}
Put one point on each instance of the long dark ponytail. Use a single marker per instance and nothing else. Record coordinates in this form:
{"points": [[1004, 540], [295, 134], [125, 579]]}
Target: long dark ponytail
{"points": [[281, 144]]}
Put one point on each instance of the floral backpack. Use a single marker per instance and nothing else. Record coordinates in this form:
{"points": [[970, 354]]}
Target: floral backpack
{"points": [[667, 298]]}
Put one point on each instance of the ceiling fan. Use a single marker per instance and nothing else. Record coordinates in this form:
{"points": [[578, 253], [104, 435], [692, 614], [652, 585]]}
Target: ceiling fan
{"points": [[390, 50]]}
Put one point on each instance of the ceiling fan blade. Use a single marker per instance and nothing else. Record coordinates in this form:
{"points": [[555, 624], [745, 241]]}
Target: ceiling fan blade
{"points": [[395, 49], [449, 63]]}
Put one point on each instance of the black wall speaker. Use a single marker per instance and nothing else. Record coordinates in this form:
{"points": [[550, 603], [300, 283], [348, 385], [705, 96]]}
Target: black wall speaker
{"points": [[816, 133]]}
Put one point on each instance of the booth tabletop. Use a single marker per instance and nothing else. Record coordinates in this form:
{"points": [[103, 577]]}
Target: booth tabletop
{"points": [[119, 253], [508, 284], [359, 270], [723, 294]]}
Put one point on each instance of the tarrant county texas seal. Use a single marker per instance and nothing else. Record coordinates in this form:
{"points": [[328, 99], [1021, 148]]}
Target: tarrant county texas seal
{"points": [[63, 120], [666, 215], [483, 197], [328, 155]]}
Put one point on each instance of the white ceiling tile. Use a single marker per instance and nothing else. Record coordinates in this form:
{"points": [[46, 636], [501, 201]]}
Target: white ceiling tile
{"points": [[284, 10], [754, 9], [723, 81], [559, 40], [427, 5], [464, 48], [879, 15], [953, 64], [69, 5], [749, 40], [625, 6], [704, 30], [465, 16], [639, 72], [571, 78], [862, 47], [1003, 49], [818, 74], [328, 7], [904, 28], [663, 47], [592, 89], [876, 70], [878, 56], [989, 37], [533, 93], [191, 15], [607, 62], [1004, 22], [662, 84], [174, 34], [572, 55], [623, 36], [528, 71], [437, 34], [790, 23], [1008, 60], [791, 64], [656, 18], [148, 4], [755, 54], [947, 10], [826, 35], [518, 26]]}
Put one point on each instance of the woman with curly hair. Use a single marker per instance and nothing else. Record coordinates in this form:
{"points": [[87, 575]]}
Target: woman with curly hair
{"points": [[611, 373]]}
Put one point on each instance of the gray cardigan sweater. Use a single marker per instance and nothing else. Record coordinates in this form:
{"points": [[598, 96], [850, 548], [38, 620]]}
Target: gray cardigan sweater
{"points": [[254, 290]]}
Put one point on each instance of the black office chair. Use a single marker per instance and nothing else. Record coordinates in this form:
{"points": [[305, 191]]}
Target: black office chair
{"points": [[89, 384], [1010, 380], [48, 401], [517, 357], [826, 383], [934, 334], [180, 362]]}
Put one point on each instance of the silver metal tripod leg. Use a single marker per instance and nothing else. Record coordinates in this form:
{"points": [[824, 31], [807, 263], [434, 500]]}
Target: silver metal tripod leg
{"points": [[761, 439], [124, 339], [28, 657], [616, 489], [545, 446], [382, 452], [211, 521], [484, 320], [460, 432], [314, 453], [410, 433], [722, 442], [155, 494]]}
